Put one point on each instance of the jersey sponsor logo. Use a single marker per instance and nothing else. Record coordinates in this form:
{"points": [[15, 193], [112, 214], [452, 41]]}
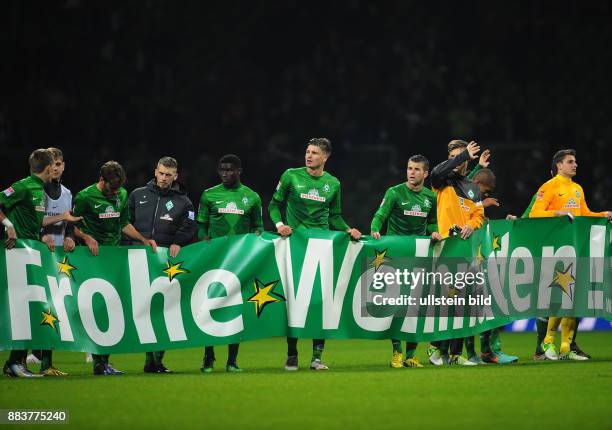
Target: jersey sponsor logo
{"points": [[571, 204], [109, 212], [169, 205], [191, 215], [326, 188], [231, 208], [415, 211], [313, 194], [8, 191], [143, 202], [463, 205], [166, 217]]}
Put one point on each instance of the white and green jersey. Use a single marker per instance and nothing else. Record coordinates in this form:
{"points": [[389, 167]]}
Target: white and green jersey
{"points": [[226, 211], [407, 212], [310, 201]]}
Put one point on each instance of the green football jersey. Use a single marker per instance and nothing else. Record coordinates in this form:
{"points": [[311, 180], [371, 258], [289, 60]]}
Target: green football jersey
{"points": [[226, 211], [311, 201], [407, 212], [24, 205], [103, 218]]}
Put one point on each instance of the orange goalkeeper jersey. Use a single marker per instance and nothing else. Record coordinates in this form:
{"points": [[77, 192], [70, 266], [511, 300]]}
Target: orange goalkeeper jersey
{"points": [[561, 193]]}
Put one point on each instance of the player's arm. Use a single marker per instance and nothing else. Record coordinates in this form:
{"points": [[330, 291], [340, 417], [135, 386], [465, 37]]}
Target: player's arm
{"points": [[336, 222], [203, 218], [8, 198], [186, 230], [278, 200], [584, 208], [542, 206], [483, 163], [130, 231], [382, 214], [66, 216], [257, 216], [443, 170]]}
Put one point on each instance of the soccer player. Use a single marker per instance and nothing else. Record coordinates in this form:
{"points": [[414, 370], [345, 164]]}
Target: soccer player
{"points": [[460, 212], [409, 209], [227, 209], [22, 213], [105, 213], [561, 196], [60, 234], [162, 211], [311, 198]]}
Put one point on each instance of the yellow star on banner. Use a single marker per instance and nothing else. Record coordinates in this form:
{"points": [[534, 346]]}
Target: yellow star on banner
{"points": [[496, 244], [173, 270], [379, 259], [479, 257], [66, 268], [264, 295], [49, 319], [564, 280]]}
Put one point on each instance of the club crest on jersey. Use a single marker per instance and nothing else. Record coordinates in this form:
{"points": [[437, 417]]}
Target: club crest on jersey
{"points": [[109, 212], [169, 205], [326, 188], [571, 204], [245, 200], [577, 194], [415, 211], [231, 208], [470, 194], [427, 203], [8, 191], [313, 194]]}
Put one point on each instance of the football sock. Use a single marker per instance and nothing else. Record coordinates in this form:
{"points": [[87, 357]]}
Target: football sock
{"points": [[568, 327], [397, 345], [542, 327], [470, 346], [232, 353], [411, 349], [551, 331], [292, 346], [46, 359]]}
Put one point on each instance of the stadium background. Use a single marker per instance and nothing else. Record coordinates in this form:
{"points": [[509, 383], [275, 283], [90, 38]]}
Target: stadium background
{"points": [[136, 80]]}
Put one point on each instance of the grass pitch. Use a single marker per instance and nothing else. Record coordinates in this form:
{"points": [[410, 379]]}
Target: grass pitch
{"points": [[360, 390]]}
